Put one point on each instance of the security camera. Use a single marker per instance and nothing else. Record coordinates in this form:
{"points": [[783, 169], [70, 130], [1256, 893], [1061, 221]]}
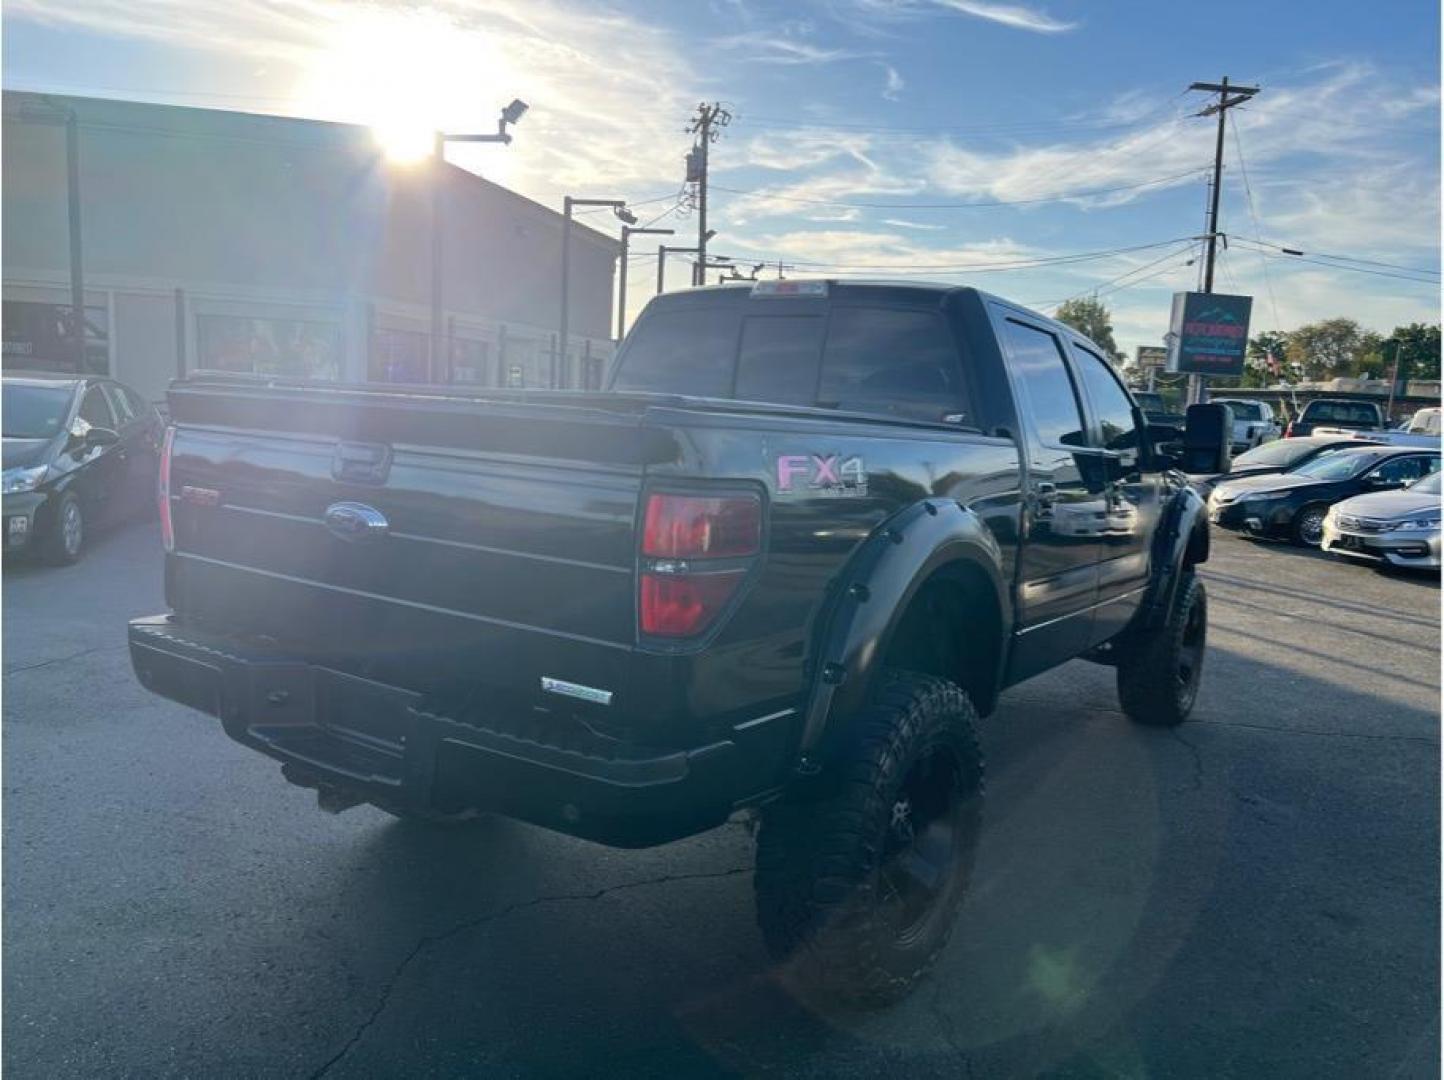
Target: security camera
{"points": [[514, 112]]}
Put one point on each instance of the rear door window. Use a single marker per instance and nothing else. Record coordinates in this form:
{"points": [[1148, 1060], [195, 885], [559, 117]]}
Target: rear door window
{"points": [[683, 351], [123, 412], [778, 359], [893, 361]]}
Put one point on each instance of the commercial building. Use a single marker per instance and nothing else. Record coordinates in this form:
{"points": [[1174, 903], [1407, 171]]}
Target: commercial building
{"points": [[215, 240]]}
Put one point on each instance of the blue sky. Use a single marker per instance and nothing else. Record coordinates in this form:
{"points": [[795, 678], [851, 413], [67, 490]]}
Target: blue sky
{"points": [[961, 140]]}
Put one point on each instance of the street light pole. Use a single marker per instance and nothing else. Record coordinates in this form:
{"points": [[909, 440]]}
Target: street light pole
{"points": [[627, 233], [662, 252], [509, 115], [619, 207]]}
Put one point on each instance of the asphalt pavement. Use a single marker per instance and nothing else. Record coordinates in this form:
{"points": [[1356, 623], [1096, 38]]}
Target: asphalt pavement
{"points": [[1253, 894]]}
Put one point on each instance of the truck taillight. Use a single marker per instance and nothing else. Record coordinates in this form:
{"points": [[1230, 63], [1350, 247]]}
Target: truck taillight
{"points": [[701, 527], [167, 526], [1289, 431], [692, 546]]}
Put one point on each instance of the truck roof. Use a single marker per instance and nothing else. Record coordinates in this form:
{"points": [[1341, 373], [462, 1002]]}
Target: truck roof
{"points": [[856, 288]]}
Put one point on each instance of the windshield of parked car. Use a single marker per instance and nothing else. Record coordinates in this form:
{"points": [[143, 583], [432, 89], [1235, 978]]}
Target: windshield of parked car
{"points": [[1150, 402], [33, 412], [1429, 485], [1335, 466], [1282, 452], [1341, 412], [1244, 410]]}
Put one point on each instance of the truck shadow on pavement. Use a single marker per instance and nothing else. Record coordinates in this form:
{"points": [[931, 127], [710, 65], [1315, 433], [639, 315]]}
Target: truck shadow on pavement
{"points": [[1143, 898]]}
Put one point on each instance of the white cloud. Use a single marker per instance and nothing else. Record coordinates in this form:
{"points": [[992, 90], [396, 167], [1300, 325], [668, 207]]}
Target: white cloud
{"points": [[894, 86], [761, 47], [1016, 16], [903, 223]]}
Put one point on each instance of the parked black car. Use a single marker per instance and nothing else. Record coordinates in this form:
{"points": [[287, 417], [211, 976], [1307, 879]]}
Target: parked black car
{"points": [[1294, 504], [802, 541], [78, 452]]}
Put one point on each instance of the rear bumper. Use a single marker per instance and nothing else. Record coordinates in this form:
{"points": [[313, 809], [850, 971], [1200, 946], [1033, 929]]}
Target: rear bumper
{"points": [[381, 743]]}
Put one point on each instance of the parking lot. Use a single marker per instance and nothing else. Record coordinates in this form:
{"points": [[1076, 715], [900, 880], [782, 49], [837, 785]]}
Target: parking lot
{"points": [[1255, 893]]}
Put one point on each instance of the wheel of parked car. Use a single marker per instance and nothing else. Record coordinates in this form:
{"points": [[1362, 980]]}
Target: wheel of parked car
{"points": [[1308, 526], [859, 881], [1158, 673], [65, 538]]}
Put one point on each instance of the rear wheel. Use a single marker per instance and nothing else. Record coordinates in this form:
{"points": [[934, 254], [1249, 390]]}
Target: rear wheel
{"points": [[1158, 675], [858, 885], [64, 540], [1308, 525]]}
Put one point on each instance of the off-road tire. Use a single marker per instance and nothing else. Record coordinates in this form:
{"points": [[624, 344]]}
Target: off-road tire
{"points": [[1300, 527], [56, 546], [827, 869], [1152, 685]]}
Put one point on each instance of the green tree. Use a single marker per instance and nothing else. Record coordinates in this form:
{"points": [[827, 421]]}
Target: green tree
{"points": [[1324, 350], [1417, 347], [1091, 317]]}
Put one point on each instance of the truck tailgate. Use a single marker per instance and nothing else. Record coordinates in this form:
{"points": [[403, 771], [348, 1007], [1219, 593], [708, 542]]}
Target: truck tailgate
{"points": [[506, 524]]}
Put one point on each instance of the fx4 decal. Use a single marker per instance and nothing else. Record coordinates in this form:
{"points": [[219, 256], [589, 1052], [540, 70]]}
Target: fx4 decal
{"points": [[821, 474]]}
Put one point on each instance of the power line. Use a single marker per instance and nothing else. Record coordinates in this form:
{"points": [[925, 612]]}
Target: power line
{"points": [[1288, 256], [1253, 216], [1104, 289], [1015, 264], [763, 193], [1297, 253], [1021, 127]]}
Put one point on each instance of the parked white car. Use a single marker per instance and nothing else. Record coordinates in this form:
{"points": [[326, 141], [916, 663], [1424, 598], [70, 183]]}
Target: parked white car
{"points": [[1400, 528], [1253, 423]]}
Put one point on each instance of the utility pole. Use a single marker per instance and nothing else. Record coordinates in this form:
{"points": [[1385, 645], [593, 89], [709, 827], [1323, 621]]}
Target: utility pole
{"points": [[619, 207], [1228, 97], [706, 126], [509, 115], [627, 233]]}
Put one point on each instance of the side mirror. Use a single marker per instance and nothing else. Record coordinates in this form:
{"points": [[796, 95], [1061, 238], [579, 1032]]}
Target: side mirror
{"points": [[1166, 444], [99, 437], [1207, 440]]}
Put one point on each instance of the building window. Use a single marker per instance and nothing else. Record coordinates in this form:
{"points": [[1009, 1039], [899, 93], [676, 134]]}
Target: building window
{"points": [[398, 356], [41, 337], [470, 360], [262, 346]]}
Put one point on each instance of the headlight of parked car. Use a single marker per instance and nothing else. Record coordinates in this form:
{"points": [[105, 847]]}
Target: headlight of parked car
{"points": [[1417, 523], [1258, 496], [17, 480]]}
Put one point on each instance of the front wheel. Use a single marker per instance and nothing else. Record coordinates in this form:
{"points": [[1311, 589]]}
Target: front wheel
{"points": [[858, 885], [65, 538], [1308, 525], [1158, 675]]}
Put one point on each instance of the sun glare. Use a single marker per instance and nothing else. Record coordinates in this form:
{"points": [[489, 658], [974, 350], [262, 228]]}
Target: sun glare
{"points": [[406, 75]]}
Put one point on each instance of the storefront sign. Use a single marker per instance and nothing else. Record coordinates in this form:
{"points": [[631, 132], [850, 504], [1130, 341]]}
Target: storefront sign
{"points": [[1208, 333]]}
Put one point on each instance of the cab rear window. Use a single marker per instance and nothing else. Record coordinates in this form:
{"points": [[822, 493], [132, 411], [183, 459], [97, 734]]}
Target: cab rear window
{"points": [[899, 362]]}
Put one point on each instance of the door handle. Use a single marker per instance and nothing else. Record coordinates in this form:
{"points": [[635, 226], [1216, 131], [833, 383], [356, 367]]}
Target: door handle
{"points": [[1045, 493]]}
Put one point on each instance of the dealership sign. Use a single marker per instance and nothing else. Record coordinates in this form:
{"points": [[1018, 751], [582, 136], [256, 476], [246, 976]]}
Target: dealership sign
{"points": [[1208, 334]]}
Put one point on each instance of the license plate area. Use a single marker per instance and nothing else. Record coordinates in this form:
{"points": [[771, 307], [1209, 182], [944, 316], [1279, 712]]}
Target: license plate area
{"points": [[340, 723]]}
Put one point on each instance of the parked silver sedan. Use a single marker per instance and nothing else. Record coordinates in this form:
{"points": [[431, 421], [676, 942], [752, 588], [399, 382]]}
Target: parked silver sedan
{"points": [[1400, 528]]}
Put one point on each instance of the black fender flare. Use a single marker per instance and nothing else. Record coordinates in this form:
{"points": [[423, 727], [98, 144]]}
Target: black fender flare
{"points": [[871, 594], [1181, 541]]}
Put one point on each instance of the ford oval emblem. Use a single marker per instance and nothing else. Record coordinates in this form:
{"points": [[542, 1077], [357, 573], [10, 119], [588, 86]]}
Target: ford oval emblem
{"points": [[355, 521]]}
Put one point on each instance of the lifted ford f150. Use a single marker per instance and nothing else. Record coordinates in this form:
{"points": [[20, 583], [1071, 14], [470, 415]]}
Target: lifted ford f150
{"points": [[801, 541]]}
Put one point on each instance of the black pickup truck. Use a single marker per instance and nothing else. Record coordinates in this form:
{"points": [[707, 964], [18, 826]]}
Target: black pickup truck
{"points": [[781, 564]]}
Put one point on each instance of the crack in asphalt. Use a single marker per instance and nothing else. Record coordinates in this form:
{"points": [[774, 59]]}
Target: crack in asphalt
{"points": [[18, 668], [1317, 734], [1197, 754], [482, 920]]}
